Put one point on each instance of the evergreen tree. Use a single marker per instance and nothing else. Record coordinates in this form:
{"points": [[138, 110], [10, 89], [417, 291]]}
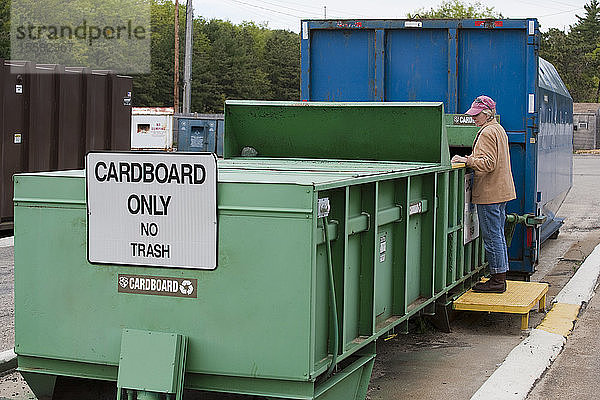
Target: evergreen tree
{"points": [[588, 26], [281, 63], [456, 9], [585, 47], [156, 88], [4, 29]]}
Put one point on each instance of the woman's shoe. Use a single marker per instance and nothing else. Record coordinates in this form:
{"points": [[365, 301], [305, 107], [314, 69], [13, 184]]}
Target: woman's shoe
{"points": [[496, 284]]}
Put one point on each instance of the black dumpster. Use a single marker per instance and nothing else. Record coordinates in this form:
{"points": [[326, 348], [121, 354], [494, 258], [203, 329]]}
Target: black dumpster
{"points": [[52, 115]]}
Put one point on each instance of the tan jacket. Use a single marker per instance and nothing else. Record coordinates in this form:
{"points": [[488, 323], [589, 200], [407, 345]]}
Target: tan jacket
{"points": [[493, 181]]}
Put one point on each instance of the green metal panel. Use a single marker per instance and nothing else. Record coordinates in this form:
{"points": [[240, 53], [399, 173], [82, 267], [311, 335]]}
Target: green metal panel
{"points": [[456, 210], [460, 135], [352, 275], [443, 226], [414, 241], [368, 205], [96, 312], [384, 282], [149, 361], [400, 250], [428, 248], [460, 132], [368, 131]]}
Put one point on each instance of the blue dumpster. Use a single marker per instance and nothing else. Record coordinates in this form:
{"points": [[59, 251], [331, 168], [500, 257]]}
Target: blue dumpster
{"points": [[455, 61], [200, 133]]}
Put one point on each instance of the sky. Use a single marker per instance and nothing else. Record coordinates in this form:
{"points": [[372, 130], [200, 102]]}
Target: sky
{"points": [[286, 14]]}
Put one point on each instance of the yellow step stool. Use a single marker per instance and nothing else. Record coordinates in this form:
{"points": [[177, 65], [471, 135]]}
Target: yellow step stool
{"points": [[519, 298]]}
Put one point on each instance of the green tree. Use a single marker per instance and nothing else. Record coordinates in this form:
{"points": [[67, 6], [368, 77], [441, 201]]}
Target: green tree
{"points": [[562, 50], [588, 26], [585, 47], [4, 29], [155, 89], [229, 61], [205, 89], [576, 54], [282, 54], [85, 33], [456, 9]]}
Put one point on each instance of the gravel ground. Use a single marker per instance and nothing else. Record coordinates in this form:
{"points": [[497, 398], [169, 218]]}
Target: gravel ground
{"points": [[7, 311]]}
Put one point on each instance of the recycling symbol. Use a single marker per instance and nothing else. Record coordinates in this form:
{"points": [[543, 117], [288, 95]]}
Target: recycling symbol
{"points": [[186, 287], [123, 282]]}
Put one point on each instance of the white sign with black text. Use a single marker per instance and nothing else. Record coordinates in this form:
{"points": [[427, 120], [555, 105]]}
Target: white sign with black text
{"points": [[152, 209], [471, 219]]}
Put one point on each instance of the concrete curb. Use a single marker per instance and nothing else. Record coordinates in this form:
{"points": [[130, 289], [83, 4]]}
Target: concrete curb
{"points": [[526, 363], [580, 287], [523, 366], [8, 360]]}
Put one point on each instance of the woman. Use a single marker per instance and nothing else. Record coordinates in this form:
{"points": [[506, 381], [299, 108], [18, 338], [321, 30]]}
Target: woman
{"points": [[493, 187]]}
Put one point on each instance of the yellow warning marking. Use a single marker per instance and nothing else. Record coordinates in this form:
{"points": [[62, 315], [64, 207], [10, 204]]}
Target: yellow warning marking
{"points": [[560, 319], [389, 337], [519, 298]]}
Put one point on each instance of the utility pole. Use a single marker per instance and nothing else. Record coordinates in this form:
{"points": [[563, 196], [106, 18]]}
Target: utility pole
{"points": [[187, 63], [325, 12], [176, 73]]}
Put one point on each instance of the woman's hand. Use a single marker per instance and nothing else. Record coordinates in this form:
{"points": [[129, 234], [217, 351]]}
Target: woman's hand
{"points": [[459, 159]]}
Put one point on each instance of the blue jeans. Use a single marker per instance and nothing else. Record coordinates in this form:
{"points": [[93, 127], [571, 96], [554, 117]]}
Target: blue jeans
{"points": [[491, 227]]}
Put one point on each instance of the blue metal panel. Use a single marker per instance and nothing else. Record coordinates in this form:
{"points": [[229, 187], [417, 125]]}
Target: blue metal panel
{"points": [[455, 61], [305, 55], [200, 133], [517, 156], [220, 134], [452, 106], [492, 62], [380, 72], [193, 135], [555, 145], [530, 241], [416, 65], [340, 56]]}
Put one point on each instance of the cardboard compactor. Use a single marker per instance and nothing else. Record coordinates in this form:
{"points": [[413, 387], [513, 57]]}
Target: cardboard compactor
{"points": [[344, 221]]}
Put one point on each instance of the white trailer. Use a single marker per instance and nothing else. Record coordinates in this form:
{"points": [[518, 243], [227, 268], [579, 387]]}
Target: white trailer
{"points": [[152, 128]]}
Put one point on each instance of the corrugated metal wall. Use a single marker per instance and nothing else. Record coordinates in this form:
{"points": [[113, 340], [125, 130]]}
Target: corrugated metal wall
{"points": [[52, 116], [586, 138]]}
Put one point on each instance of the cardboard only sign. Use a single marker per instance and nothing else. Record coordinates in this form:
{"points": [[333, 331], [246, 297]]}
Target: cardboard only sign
{"points": [[152, 209]]}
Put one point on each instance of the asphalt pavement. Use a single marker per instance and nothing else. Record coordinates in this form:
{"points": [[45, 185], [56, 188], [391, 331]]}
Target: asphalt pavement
{"points": [[576, 372]]}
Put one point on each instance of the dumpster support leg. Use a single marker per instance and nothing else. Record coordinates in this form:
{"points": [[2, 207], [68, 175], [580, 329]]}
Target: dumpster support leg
{"points": [[41, 385], [349, 384], [441, 319]]}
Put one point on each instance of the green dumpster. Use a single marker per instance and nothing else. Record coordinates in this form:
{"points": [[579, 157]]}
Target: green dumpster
{"points": [[336, 223]]}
